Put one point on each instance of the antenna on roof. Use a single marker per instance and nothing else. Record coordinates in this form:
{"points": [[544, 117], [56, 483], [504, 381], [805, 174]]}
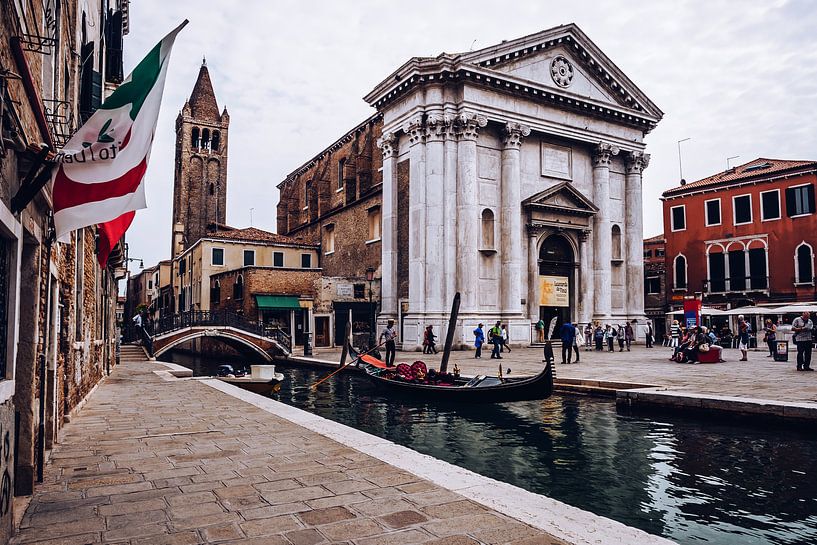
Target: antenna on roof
{"points": [[728, 166], [472, 44], [251, 209]]}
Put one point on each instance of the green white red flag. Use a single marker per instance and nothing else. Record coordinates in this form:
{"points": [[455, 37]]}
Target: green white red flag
{"points": [[100, 171]]}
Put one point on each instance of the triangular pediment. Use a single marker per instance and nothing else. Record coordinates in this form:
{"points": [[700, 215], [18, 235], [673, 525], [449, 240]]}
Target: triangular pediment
{"points": [[566, 60], [563, 198]]}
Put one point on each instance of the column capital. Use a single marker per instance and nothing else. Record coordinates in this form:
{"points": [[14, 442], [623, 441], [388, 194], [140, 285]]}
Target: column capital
{"points": [[603, 154], [636, 161], [437, 126], [512, 134], [415, 129], [468, 125], [584, 235], [388, 144], [534, 230]]}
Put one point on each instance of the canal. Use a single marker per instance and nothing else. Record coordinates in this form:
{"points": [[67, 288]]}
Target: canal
{"points": [[688, 480]]}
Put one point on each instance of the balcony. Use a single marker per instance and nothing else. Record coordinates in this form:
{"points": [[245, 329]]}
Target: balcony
{"points": [[737, 285]]}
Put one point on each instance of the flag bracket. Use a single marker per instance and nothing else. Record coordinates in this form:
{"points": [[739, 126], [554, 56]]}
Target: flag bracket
{"points": [[38, 175]]}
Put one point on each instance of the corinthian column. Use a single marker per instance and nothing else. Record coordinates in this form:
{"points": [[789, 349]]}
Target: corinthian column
{"points": [[586, 279], [435, 213], [417, 214], [635, 163], [602, 245], [467, 213], [511, 220], [388, 296], [533, 273]]}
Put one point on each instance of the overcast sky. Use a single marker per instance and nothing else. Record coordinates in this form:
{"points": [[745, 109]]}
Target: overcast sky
{"points": [[737, 77]]}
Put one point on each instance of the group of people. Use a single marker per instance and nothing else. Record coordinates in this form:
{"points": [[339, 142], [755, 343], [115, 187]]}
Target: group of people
{"points": [[692, 342], [497, 336]]}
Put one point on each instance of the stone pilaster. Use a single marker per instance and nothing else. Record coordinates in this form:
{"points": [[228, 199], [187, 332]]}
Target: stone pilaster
{"points": [[435, 293], [450, 200], [415, 130], [533, 272], [468, 228], [586, 287], [635, 162], [511, 220], [388, 297], [602, 157]]}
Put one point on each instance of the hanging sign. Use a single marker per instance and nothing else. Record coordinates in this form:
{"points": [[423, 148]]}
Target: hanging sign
{"points": [[554, 291]]}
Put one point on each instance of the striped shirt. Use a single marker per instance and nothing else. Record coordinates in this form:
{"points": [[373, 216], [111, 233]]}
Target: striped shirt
{"points": [[675, 330]]}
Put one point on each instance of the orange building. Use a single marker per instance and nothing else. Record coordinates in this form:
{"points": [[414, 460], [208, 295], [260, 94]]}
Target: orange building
{"points": [[744, 236]]}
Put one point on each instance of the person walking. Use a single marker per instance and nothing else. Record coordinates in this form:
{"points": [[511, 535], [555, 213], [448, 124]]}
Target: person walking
{"points": [[675, 334], [628, 335], [432, 340], [771, 336], [599, 337], [568, 336], [505, 339], [588, 337], [578, 340], [620, 333], [743, 338], [540, 330], [495, 337], [649, 334], [389, 335], [479, 340], [425, 341], [803, 328]]}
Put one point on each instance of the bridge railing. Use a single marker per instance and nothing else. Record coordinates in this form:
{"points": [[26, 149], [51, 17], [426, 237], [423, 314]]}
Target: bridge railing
{"points": [[203, 318]]}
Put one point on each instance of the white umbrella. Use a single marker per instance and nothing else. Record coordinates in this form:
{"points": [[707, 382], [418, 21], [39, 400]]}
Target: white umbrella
{"points": [[749, 311], [794, 308]]}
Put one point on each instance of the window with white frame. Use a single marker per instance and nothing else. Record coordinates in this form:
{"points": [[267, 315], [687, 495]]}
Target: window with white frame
{"points": [[341, 165], [277, 259], [217, 257], [306, 261], [374, 224], [742, 209], [678, 217], [713, 212], [680, 271], [652, 285], [800, 200], [249, 258], [804, 264], [330, 239], [770, 205]]}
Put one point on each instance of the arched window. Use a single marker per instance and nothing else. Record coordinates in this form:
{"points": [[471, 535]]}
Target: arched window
{"points": [[804, 264], [194, 140], [215, 293], [616, 240], [214, 143], [680, 271], [488, 229], [212, 189], [205, 139], [238, 288]]}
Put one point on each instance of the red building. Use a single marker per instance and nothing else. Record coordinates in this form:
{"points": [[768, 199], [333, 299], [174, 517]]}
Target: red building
{"points": [[744, 236]]}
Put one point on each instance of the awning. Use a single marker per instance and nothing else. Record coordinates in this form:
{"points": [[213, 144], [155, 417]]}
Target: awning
{"points": [[277, 302]]}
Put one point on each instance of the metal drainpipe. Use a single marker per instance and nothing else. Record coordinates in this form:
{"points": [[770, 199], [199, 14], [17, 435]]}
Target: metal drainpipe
{"points": [[41, 430]]}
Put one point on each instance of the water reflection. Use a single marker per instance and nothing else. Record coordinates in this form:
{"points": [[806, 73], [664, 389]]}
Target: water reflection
{"points": [[692, 482]]}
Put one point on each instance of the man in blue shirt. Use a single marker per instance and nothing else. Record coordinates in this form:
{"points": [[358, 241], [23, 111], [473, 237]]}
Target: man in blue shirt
{"points": [[568, 335]]}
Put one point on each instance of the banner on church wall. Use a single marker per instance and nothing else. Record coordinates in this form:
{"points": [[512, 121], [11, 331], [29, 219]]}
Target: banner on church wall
{"points": [[554, 291]]}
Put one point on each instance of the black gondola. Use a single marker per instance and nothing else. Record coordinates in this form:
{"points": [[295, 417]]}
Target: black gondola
{"points": [[479, 389]]}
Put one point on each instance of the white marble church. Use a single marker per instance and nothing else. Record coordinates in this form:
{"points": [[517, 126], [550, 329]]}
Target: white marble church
{"points": [[516, 171]]}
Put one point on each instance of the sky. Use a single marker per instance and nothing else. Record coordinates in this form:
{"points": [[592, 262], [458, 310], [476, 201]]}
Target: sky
{"points": [[739, 78]]}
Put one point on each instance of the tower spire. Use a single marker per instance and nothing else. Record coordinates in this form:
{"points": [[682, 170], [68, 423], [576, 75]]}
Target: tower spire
{"points": [[203, 99]]}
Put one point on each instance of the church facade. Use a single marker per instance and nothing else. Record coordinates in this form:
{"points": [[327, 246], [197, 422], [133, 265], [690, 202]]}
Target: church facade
{"points": [[511, 175]]}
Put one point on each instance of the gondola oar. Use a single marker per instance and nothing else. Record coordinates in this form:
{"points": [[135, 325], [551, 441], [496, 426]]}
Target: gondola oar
{"points": [[339, 369], [449, 336]]}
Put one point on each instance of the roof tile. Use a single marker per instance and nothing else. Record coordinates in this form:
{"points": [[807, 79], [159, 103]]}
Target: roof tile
{"points": [[759, 168]]}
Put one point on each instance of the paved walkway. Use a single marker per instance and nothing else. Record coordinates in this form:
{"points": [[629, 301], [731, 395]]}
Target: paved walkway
{"points": [[149, 461], [759, 378]]}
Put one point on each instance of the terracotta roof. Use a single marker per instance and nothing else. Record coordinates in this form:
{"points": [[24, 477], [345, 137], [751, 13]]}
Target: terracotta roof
{"points": [[657, 238], [251, 234], [203, 99], [758, 169]]}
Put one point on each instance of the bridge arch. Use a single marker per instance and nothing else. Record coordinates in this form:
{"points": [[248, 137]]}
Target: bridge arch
{"points": [[227, 335]]}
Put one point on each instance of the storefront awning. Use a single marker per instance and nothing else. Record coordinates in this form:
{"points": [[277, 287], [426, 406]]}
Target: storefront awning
{"points": [[270, 302]]}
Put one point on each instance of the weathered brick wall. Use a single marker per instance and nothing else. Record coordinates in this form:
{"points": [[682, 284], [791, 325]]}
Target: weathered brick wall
{"points": [[264, 281]]}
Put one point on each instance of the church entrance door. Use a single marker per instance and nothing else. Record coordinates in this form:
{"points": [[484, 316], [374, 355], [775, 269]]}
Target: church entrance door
{"points": [[556, 281]]}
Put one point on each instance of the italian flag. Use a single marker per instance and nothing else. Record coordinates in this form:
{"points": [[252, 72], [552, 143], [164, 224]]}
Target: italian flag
{"points": [[99, 172]]}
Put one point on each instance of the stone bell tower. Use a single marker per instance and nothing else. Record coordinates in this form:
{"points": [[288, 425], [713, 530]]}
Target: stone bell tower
{"points": [[200, 178]]}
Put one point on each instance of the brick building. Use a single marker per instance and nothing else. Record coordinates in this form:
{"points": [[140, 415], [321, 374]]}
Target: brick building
{"points": [[58, 60], [334, 200], [655, 283], [745, 235]]}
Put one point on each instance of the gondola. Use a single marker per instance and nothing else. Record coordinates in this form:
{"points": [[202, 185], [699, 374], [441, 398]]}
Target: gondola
{"points": [[479, 389]]}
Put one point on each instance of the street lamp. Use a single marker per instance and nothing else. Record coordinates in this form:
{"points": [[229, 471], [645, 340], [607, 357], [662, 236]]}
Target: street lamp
{"points": [[370, 277]]}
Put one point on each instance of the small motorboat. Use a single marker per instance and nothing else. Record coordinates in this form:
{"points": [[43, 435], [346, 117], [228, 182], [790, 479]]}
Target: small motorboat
{"points": [[262, 378]]}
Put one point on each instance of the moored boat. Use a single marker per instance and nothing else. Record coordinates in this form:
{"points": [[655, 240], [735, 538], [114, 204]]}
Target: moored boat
{"points": [[262, 378]]}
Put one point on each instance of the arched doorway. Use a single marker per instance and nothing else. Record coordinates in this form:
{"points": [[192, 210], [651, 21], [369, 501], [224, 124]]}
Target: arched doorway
{"points": [[556, 281]]}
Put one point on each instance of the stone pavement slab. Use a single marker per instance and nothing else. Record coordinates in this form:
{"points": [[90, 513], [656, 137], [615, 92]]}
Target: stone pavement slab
{"points": [[158, 460]]}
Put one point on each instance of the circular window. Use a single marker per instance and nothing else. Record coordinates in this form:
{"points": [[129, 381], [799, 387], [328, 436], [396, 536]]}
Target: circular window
{"points": [[561, 71]]}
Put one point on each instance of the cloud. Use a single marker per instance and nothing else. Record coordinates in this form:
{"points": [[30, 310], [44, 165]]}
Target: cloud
{"points": [[739, 78]]}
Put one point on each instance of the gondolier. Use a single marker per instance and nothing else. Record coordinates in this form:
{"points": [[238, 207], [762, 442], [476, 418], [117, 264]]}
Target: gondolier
{"points": [[389, 335]]}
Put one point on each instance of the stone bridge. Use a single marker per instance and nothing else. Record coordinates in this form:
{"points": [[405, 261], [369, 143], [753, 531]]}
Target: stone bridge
{"points": [[230, 328]]}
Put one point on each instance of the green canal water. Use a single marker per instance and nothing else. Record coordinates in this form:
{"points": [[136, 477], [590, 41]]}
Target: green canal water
{"points": [[692, 481]]}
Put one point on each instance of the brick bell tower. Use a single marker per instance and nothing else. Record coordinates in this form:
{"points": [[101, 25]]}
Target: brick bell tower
{"points": [[200, 178]]}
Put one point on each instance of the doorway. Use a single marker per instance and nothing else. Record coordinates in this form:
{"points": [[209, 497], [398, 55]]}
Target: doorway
{"points": [[321, 331], [556, 282]]}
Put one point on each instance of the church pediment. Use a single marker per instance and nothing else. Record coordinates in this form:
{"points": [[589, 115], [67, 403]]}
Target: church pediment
{"points": [[561, 198], [565, 60]]}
